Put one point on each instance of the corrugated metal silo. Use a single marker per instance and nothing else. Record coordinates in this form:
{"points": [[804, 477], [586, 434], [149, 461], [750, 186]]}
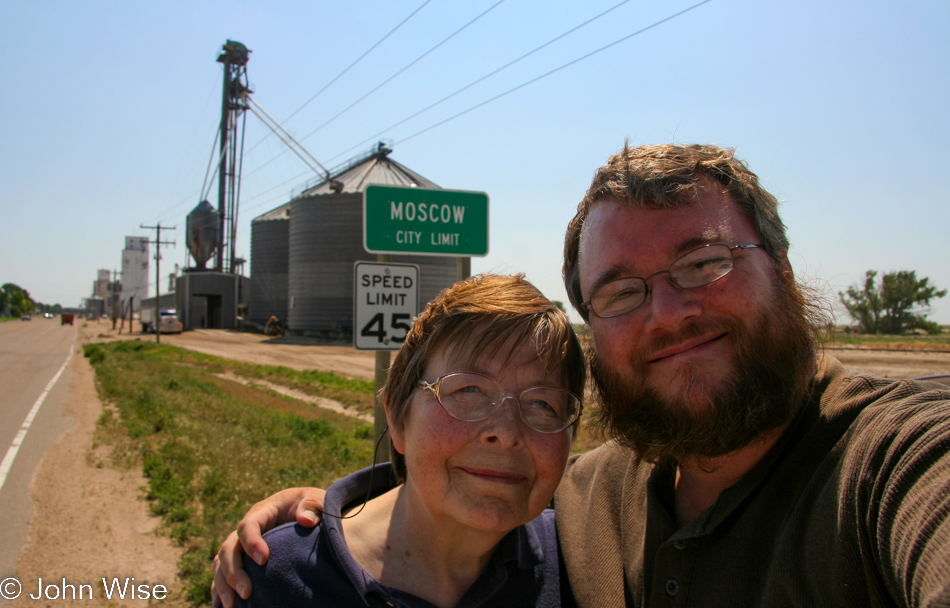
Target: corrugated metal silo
{"points": [[326, 239], [270, 245], [302, 253]]}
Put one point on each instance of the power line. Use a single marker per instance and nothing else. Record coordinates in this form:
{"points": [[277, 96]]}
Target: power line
{"points": [[482, 79], [347, 69], [429, 107], [409, 65], [387, 81], [272, 188], [512, 90], [555, 70], [479, 105], [206, 185], [358, 59]]}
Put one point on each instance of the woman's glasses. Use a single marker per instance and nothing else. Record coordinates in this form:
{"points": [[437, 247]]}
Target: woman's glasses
{"points": [[471, 397]]}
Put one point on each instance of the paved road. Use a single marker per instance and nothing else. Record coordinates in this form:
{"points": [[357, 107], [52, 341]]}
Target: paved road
{"points": [[32, 353]]}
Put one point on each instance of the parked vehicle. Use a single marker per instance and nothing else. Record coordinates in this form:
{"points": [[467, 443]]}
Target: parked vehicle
{"points": [[168, 321], [26, 316]]}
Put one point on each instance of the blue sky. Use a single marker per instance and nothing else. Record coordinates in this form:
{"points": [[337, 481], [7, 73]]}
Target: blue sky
{"points": [[109, 111]]}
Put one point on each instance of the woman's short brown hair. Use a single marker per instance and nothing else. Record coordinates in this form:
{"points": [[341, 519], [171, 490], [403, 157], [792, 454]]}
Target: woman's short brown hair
{"points": [[476, 315]]}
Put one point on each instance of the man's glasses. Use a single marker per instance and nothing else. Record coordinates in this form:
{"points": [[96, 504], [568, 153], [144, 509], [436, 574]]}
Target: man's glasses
{"points": [[471, 397], [699, 267]]}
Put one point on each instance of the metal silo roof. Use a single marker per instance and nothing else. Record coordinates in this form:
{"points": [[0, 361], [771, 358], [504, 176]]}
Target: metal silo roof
{"points": [[374, 167], [278, 213]]}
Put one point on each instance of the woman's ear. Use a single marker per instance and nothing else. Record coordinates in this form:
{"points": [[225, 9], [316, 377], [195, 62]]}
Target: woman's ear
{"points": [[395, 434]]}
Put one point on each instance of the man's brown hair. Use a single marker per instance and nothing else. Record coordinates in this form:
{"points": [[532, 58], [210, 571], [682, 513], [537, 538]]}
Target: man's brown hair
{"points": [[665, 177], [476, 316]]}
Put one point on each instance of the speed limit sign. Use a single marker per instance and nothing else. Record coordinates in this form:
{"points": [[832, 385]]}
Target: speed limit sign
{"points": [[385, 301]]}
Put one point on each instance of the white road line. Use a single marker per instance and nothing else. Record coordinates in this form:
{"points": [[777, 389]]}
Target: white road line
{"points": [[7, 463]]}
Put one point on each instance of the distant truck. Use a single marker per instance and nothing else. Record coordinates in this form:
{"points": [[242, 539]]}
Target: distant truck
{"points": [[168, 321]]}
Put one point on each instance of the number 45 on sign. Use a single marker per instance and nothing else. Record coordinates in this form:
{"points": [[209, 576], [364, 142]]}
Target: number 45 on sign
{"points": [[385, 300]]}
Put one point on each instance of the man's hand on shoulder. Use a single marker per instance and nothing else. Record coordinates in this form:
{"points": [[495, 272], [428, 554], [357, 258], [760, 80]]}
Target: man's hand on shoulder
{"points": [[302, 505]]}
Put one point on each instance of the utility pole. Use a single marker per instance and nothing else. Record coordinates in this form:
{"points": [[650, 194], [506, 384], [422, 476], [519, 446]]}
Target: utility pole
{"points": [[158, 242], [115, 297]]}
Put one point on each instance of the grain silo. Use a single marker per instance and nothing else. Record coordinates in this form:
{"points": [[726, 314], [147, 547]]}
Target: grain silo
{"points": [[269, 265], [324, 240]]}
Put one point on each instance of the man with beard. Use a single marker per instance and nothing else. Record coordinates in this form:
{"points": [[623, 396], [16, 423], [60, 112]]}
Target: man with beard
{"points": [[747, 469]]}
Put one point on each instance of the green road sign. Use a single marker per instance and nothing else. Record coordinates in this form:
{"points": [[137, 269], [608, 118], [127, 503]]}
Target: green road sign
{"points": [[428, 222]]}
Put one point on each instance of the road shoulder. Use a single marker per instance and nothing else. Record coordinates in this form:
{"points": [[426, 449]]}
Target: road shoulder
{"points": [[90, 519]]}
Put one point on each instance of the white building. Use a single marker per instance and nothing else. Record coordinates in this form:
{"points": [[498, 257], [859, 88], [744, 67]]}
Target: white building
{"points": [[135, 270]]}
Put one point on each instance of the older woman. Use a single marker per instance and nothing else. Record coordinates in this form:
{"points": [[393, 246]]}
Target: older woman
{"points": [[481, 403]]}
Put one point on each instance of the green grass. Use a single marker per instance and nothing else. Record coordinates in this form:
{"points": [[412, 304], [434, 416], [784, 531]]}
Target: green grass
{"points": [[210, 447], [895, 342]]}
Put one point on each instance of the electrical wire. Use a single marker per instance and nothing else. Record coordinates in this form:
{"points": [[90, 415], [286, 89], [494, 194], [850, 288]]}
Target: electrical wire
{"points": [[279, 197], [483, 103], [554, 71], [387, 81], [409, 65], [482, 79], [347, 69], [358, 59], [520, 86]]}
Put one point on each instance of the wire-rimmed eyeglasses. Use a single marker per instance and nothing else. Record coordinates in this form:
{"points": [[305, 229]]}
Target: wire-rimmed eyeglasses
{"points": [[471, 397], [699, 267]]}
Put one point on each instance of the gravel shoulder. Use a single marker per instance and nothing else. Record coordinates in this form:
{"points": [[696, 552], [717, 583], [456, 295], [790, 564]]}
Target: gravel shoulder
{"points": [[90, 520]]}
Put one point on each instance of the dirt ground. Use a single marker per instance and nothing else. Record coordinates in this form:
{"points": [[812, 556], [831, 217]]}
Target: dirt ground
{"points": [[303, 353], [894, 364], [297, 353], [91, 520]]}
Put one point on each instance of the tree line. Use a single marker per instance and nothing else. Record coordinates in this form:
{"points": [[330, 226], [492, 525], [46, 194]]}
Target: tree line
{"points": [[16, 301]]}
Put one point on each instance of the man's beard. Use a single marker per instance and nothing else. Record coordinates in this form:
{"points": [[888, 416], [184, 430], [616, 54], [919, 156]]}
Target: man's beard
{"points": [[774, 354]]}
